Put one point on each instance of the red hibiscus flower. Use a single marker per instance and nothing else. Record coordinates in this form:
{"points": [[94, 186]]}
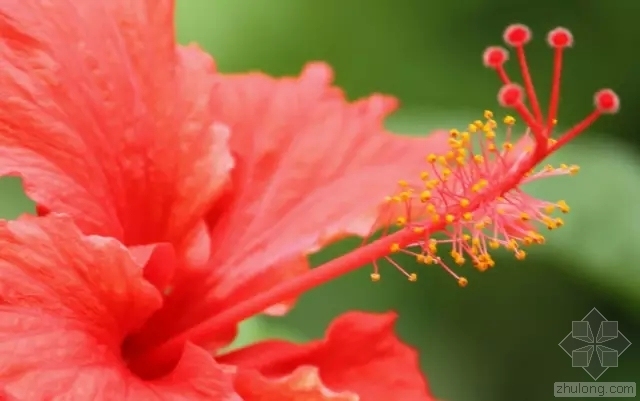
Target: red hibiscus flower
{"points": [[176, 202], [216, 187]]}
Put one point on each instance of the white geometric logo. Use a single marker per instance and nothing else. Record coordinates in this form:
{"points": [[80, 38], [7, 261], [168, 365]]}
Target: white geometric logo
{"points": [[580, 344]]}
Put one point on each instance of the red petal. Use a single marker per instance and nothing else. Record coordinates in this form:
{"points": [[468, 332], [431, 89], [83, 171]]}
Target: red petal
{"points": [[105, 120], [66, 303], [303, 384], [158, 260], [311, 167], [361, 354]]}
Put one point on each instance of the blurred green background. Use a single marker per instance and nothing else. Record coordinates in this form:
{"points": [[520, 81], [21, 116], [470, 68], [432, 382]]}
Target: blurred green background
{"points": [[498, 338]]}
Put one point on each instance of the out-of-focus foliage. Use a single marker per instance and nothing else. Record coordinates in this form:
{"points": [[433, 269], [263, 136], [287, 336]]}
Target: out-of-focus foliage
{"points": [[498, 338]]}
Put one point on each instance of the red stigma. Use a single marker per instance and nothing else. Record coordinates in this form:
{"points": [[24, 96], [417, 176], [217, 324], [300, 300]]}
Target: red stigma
{"points": [[517, 35], [560, 38], [606, 101], [494, 56], [510, 95], [542, 126]]}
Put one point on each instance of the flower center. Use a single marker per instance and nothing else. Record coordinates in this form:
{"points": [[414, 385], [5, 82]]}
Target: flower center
{"points": [[471, 194]]}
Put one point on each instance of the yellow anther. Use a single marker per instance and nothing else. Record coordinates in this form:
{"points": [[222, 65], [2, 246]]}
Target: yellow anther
{"points": [[403, 183], [459, 260], [549, 208], [478, 159], [396, 198], [462, 152], [425, 196], [559, 222], [433, 246], [564, 166], [431, 184], [420, 258], [446, 172], [468, 216], [551, 142], [488, 114], [480, 225], [455, 254], [405, 195], [464, 202], [554, 121], [460, 160], [490, 135], [450, 155], [375, 277], [428, 260], [527, 240], [509, 120], [432, 158], [401, 221], [573, 170], [418, 230], [562, 205], [454, 143], [525, 216], [431, 208], [454, 133], [520, 254], [475, 242], [491, 147], [466, 237], [424, 175], [395, 247], [413, 277], [435, 218], [465, 137], [478, 124], [443, 161], [449, 218], [548, 168], [507, 146], [462, 282], [472, 128], [500, 210]]}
